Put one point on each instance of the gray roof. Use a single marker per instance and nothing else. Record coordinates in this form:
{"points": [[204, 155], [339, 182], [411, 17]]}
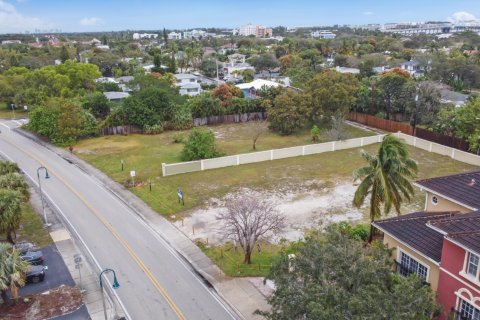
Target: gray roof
{"points": [[189, 85], [410, 63], [116, 95], [125, 79], [185, 76]]}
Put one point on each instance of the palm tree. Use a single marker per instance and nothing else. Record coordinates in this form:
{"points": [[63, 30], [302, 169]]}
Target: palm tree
{"points": [[385, 178], [14, 181], [12, 271], [10, 212], [8, 167]]}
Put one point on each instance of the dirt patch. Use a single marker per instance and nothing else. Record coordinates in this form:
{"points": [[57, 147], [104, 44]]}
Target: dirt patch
{"points": [[312, 204], [52, 303]]}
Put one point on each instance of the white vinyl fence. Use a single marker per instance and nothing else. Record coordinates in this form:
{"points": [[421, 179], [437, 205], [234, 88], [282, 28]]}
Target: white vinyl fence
{"points": [[200, 165]]}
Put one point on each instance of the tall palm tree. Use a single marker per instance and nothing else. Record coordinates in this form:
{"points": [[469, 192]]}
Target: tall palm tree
{"points": [[8, 167], [14, 181], [10, 212], [385, 178], [12, 271]]}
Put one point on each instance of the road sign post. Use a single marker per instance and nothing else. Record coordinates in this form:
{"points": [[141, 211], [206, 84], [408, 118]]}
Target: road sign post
{"points": [[132, 174], [180, 196]]}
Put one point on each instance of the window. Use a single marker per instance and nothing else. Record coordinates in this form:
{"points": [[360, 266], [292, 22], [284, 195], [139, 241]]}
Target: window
{"points": [[410, 265], [472, 266], [434, 200], [468, 312]]}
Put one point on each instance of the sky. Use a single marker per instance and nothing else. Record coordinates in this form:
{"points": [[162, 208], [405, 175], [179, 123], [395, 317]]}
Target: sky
{"points": [[108, 15]]}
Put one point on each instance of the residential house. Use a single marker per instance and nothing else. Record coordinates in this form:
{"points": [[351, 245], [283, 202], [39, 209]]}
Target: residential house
{"points": [[414, 68], [250, 89], [188, 84], [194, 34], [236, 63], [322, 34], [442, 243], [347, 70], [174, 36], [138, 36], [116, 96]]}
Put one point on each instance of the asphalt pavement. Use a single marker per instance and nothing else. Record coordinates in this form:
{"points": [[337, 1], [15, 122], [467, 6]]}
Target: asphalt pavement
{"points": [[155, 283]]}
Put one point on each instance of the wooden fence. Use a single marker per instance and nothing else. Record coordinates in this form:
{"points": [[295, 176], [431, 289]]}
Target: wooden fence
{"points": [[392, 126], [382, 124], [119, 130], [229, 118]]}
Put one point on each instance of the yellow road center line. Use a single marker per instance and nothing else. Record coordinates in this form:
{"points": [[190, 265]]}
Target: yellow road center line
{"points": [[107, 224]]}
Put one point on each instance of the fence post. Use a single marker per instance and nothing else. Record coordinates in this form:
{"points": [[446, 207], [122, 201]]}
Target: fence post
{"points": [[415, 141], [163, 169], [361, 142], [271, 154], [398, 134], [453, 154], [333, 145], [430, 147], [379, 138], [303, 150], [238, 160], [201, 165]]}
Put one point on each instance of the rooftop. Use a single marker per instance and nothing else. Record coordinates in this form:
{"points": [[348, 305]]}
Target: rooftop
{"points": [[413, 230], [462, 188], [258, 84]]}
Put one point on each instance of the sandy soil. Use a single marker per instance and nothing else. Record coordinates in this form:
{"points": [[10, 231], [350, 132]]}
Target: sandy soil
{"points": [[303, 209]]}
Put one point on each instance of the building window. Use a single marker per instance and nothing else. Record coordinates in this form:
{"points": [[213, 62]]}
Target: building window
{"points": [[468, 312], [472, 266], [408, 265], [435, 200]]}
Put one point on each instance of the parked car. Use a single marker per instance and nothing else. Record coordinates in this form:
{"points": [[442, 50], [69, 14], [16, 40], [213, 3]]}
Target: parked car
{"points": [[24, 246], [35, 274], [33, 257]]}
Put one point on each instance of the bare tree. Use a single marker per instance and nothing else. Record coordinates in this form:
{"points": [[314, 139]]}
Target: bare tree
{"points": [[256, 128], [247, 219], [338, 131]]}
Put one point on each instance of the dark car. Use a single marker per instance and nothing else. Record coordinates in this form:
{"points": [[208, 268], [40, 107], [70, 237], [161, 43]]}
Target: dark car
{"points": [[35, 274], [33, 257]]}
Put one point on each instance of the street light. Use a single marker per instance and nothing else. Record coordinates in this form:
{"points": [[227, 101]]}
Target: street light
{"points": [[41, 193], [115, 285], [13, 110]]}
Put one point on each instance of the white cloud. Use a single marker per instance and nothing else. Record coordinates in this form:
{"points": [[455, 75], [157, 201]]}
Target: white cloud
{"points": [[461, 16], [12, 21], [368, 13], [93, 21]]}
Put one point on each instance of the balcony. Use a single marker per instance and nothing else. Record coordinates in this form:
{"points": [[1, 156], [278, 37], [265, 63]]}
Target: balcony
{"points": [[405, 271]]}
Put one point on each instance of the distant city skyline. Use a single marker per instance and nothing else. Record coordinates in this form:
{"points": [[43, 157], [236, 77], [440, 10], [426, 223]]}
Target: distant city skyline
{"points": [[87, 15]]}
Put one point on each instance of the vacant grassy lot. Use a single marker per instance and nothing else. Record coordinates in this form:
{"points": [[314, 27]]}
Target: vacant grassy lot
{"points": [[146, 153]]}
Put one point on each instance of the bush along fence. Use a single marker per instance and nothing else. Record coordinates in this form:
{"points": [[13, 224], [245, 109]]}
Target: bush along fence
{"points": [[392, 126], [229, 118], [119, 130], [201, 165]]}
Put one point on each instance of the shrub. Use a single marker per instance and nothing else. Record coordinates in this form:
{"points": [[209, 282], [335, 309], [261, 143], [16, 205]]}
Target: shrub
{"points": [[199, 145], [182, 118], [178, 137], [153, 129]]}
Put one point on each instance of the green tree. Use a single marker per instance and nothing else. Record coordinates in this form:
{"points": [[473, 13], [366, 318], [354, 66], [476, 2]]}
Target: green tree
{"points": [[64, 55], [10, 212], [204, 105], [7, 167], [315, 133], [199, 145], [332, 93], [386, 178], [14, 181], [12, 272], [395, 92], [289, 112], [98, 105], [209, 67], [335, 277], [264, 61]]}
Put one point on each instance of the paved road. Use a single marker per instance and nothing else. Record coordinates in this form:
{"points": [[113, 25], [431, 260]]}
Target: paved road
{"points": [[154, 282]]}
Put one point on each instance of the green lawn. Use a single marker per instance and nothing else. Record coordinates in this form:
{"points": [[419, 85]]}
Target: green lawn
{"points": [[146, 153], [6, 113], [231, 261]]}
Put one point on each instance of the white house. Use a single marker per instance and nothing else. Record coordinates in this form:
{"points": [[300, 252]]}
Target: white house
{"points": [[323, 34], [347, 70], [174, 36], [138, 36], [414, 68], [194, 34], [188, 84], [116, 96]]}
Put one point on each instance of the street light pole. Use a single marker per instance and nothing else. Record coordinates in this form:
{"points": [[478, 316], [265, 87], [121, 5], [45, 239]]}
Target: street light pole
{"points": [[41, 193], [114, 286]]}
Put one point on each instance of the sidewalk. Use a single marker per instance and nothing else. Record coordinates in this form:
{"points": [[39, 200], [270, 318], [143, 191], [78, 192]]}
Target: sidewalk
{"points": [[240, 294], [84, 277]]}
